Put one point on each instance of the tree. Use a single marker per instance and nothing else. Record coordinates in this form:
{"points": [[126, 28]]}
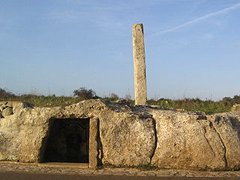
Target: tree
{"points": [[5, 94], [227, 101], [236, 99], [84, 93], [114, 97]]}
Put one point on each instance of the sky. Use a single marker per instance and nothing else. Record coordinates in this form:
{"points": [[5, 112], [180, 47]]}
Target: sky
{"points": [[57, 46]]}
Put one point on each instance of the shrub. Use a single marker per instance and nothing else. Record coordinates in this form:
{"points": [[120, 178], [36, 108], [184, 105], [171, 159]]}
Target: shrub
{"points": [[114, 96], [128, 97], [84, 93], [4, 94]]}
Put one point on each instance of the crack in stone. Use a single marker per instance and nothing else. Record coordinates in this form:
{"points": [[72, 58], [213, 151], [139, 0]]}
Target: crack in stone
{"points": [[204, 135], [224, 147], [100, 154], [156, 140]]}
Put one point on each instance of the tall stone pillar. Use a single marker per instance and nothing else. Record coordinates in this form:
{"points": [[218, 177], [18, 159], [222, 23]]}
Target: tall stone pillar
{"points": [[140, 84]]}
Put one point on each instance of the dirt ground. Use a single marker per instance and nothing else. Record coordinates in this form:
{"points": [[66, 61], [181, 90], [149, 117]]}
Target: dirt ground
{"points": [[82, 169]]}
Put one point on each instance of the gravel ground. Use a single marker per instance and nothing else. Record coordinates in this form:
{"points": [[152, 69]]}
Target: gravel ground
{"points": [[81, 169]]}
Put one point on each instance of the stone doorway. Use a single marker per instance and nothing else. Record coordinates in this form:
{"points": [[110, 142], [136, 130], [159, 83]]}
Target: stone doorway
{"points": [[68, 141]]}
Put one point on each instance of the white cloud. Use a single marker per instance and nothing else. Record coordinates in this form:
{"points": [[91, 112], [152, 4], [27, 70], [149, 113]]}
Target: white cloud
{"points": [[223, 11]]}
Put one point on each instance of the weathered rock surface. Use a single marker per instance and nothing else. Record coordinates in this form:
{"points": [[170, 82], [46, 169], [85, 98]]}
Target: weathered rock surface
{"points": [[7, 112], [128, 139], [123, 134], [184, 141], [228, 128], [128, 135], [235, 108], [191, 141]]}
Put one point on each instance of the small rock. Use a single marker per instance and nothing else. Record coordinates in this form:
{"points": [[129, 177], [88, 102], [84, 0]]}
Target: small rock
{"points": [[235, 108], [7, 112]]}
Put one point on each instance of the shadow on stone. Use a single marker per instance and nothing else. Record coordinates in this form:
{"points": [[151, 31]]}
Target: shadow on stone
{"points": [[68, 141]]}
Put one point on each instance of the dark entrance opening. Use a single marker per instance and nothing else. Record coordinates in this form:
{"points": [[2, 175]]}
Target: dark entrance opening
{"points": [[68, 141]]}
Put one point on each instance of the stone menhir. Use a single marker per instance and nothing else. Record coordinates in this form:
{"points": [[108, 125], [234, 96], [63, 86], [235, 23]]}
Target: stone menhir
{"points": [[139, 65]]}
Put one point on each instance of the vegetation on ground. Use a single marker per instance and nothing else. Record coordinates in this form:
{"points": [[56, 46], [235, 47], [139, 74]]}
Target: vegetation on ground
{"points": [[83, 93], [194, 104]]}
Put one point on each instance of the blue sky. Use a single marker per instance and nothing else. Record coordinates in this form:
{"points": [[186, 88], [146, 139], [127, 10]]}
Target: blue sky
{"points": [[56, 46]]}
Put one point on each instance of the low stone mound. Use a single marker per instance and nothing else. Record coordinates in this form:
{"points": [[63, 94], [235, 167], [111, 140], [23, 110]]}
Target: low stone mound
{"points": [[124, 135]]}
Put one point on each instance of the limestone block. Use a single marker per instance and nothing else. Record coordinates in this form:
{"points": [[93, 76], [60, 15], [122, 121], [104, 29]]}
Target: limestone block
{"points": [[192, 142], [130, 135], [228, 128], [127, 140]]}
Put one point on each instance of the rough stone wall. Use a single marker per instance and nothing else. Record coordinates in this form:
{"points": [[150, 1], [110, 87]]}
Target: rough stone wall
{"points": [[128, 135]]}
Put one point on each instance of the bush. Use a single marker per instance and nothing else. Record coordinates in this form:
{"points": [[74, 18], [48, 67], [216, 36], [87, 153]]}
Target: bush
{"points": [[84, 93], [4, 94], [207, 106], [128, 98], [114, 96]]}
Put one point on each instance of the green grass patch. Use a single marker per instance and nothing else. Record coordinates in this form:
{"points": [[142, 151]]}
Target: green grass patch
{"points": [[207, 106], [187, 104]]}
